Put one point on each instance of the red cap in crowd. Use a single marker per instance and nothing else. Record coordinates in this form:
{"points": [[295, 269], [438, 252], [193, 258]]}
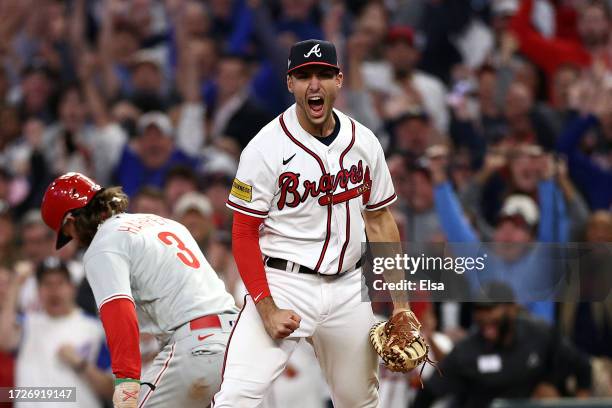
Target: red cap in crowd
{"points": [[401, 33]]}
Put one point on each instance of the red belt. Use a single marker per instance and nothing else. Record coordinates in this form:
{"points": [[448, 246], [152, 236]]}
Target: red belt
{"points": [[205, 322]]}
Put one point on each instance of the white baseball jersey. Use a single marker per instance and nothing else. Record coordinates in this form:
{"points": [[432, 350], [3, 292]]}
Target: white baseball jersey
{"points": [[311, 195], [155, 262]]}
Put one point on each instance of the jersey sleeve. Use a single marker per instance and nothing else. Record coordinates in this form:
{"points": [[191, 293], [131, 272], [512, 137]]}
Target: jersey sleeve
{"points": [[253, 188], [383, 192], [108, 274]]}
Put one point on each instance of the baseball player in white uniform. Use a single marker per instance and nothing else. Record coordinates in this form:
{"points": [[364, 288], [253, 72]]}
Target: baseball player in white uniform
{"points": [[310, 180], [147, 275]]}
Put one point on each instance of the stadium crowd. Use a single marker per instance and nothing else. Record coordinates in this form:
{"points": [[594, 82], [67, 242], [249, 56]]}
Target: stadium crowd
{"points": [[495, 116]]}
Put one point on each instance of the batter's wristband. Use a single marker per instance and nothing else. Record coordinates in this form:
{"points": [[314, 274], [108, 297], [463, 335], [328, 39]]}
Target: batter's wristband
{"points": [[122, 380]]}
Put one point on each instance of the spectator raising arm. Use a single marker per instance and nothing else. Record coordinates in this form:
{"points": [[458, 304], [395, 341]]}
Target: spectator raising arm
{"points": [[553, 226], [110, 139], [471, 196], [190, 129], [546, 53], [448, 208], [359, 100], [78, 20], [105, 45], [95, 102], [578, 210]]}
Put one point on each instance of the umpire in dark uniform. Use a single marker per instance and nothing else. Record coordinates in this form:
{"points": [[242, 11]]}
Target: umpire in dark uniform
{"points": [[507, 355]]}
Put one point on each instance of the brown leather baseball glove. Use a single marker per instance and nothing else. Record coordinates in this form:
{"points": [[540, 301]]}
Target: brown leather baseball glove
{"points": [[399, 342]]}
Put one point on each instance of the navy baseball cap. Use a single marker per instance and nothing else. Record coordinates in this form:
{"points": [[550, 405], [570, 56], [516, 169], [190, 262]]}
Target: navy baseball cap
{"points": [[312, 52]]}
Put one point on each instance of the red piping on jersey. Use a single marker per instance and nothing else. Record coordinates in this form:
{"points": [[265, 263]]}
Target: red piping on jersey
{"points": [[348, 213], [383, 202], [113, 297], [243, 208], [327, 236], [227, 348], [159, 376], [329, 206]]}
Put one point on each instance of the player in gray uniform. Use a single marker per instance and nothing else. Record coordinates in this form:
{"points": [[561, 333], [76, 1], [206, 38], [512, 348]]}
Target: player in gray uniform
{"points": [[147, 275]]}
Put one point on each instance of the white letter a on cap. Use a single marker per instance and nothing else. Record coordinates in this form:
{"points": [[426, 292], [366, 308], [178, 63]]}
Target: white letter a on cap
{"points": [[314, 50]]}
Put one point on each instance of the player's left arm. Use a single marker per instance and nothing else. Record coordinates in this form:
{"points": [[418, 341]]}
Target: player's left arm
{"points": [[109, 276], [381, 227], [121, 327], [122, 334]]}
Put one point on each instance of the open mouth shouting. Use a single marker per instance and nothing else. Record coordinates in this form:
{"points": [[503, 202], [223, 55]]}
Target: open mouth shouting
{"points": [[315, 106]]}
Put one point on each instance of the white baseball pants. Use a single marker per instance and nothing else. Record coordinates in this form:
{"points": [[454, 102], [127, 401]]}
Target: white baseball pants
{"points": [[334, 320], [187, 371]]}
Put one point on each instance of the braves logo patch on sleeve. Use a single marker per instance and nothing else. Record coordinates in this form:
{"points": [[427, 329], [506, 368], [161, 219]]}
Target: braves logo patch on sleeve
{"points": [[242, 190]]}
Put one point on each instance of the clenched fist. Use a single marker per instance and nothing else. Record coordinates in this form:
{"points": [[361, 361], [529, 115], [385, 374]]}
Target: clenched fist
{"points": [[279, 323]]}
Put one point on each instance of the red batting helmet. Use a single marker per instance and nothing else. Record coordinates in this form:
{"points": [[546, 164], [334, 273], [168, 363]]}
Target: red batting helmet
{"points": [[66, 193]]}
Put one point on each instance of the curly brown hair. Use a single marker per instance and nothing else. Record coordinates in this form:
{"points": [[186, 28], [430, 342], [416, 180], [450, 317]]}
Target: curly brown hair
{"points": [[105, 204]]}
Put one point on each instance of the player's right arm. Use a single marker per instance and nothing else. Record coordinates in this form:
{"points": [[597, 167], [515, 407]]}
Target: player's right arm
{"points": [[250, 198], [108, 274], [279, 323]]}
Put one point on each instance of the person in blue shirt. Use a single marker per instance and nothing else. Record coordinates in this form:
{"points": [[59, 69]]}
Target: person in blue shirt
{"points": [[594, 180], [147, 160], [529, 268]]}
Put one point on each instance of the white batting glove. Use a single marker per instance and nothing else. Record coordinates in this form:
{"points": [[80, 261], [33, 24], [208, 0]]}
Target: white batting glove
{"points": [[126, 393]]}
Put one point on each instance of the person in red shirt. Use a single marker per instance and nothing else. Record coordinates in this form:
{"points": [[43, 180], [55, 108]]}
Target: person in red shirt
{"points": [[549, 54]]}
